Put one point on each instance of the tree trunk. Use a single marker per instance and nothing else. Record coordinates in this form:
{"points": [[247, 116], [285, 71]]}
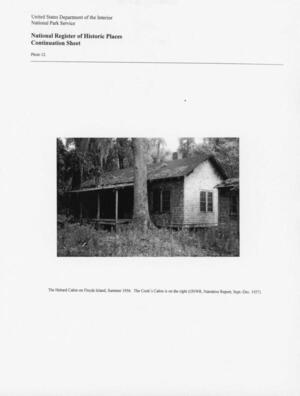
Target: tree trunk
{"points": [[140, 208]]}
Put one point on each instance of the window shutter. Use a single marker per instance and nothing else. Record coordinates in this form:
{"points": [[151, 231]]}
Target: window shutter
{"points": [[202, 201]]}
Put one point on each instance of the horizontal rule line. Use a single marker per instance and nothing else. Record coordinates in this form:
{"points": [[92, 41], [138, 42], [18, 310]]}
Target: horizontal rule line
{"points": [[162, 62]]}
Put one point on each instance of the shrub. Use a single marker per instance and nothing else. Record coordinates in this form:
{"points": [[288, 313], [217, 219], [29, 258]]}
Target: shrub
{"points": [[84, 240]]}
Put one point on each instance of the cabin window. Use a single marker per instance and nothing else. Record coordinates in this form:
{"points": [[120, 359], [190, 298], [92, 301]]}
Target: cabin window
{"points": [[203, 201], [161, 201], [156, 201], [206, 201], [166, 201]]}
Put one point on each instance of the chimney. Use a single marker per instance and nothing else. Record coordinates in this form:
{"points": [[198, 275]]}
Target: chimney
{"points": [[176, 155]]}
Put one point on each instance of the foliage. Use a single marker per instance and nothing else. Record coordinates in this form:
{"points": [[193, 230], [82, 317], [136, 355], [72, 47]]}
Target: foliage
{"points": [[80, 159], [92, 155], [67, 169], [187, 147], [61, 166], [85, 240], [123, 152], [156, 150], [226, 151]]}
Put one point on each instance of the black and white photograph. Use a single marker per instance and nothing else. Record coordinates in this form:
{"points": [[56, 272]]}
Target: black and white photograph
{"points": [[148, 196]]}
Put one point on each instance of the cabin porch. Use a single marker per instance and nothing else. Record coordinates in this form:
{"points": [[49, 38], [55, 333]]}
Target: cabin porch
{"points": [[104, 206]]}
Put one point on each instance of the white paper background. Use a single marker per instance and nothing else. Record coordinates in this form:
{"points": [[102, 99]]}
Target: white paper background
{"points": [[153, 344]]}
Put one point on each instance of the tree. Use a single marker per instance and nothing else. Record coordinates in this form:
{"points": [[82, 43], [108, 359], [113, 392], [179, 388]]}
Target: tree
{"points": [[61, 154], [92, 156], [187, 147], [157, 151], [226, 150], [140, 208], [80, 146], [67, 174], [124, 152]]}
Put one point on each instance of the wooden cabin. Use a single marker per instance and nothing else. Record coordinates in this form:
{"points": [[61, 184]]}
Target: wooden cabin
{"points": [[181, 193], [229, 202]]}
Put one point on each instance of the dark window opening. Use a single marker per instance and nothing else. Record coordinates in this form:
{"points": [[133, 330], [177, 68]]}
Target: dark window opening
{"points": [[209, 201], [156, 201], [166, 201], [206, 201], [202, 201], [161, 201]]}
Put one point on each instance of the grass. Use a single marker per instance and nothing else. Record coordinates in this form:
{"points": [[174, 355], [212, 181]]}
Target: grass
{"points": [[84, 240]]}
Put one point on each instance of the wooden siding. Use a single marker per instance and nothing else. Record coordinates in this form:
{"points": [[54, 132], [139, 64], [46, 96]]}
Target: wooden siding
{"points": [[226, 219], [204, 177], [175, 215]]}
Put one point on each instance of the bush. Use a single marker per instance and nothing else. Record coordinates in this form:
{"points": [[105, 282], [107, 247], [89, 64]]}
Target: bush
{"points": [[224, 241], [84, 240]]}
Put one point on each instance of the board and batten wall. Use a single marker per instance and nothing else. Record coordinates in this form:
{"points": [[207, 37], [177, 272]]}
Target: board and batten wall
{"points": [[204, 177], [175, 215]]}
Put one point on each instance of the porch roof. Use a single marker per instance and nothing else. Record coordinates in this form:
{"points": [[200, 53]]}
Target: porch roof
{"points": [[232, 183]]}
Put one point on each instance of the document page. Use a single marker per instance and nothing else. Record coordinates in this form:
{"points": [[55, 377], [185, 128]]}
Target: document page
{"points": [[150, 198]]}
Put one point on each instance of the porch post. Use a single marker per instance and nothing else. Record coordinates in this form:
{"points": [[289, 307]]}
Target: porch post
{"points": [[116, 207], [98, 205]]}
